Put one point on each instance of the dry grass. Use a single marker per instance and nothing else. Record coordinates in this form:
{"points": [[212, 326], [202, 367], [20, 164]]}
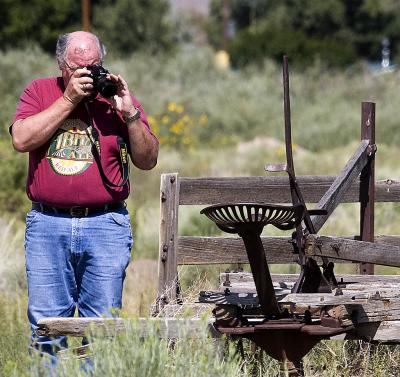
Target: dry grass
{"points": [[140, 287]]}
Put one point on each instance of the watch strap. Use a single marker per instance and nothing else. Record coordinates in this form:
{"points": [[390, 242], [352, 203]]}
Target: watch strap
{"points": [[134, 117]]}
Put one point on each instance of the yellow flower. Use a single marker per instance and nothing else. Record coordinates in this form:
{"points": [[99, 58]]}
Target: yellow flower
{"points": [[165, 119], [203, 119], [171, 106], [280, 152], [152, 121], [175, 128]]}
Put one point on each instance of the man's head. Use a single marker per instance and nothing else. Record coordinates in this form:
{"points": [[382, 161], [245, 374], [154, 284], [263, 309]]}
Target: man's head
{"points": [[76, 50]]}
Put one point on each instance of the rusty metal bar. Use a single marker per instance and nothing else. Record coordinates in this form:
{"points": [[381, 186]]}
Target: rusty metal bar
{"points": [[367, 182], [260, 270]]}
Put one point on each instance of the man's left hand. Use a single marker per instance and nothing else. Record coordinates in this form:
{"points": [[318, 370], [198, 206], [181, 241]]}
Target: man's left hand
{"points": [[122, 101]]}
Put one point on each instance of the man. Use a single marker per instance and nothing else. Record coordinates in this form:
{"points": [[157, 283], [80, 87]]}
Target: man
{"points": [[78, 233]]}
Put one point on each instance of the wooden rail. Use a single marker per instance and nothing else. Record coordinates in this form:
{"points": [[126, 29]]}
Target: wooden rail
{"points": [[385, 331], [354, 251], [230, 250], [273, 189]]}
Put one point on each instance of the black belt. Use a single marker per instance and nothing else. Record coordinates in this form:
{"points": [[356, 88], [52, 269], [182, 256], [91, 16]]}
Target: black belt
{"points": [[78, 211]]}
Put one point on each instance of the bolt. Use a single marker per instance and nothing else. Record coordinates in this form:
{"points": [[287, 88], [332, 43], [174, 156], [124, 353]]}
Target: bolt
{"points": [[338, 292], [227, 282], [164, 255], [172, 179], [376, 296]]}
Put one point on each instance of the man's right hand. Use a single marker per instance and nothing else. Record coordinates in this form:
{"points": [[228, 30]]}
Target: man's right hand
{"points": [[79, 86]]}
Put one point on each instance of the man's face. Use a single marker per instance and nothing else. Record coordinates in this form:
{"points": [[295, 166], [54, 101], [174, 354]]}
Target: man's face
{"points": [[81, 52]]}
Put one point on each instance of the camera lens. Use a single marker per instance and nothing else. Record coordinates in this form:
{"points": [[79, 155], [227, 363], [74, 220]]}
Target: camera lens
{"points": [[101, 84], [108, 89]]}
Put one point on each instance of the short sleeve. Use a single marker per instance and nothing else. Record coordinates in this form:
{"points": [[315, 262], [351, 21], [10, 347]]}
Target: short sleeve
{"points": [[29, 103]]}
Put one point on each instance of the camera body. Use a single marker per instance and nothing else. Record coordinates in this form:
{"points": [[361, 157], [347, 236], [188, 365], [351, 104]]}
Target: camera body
{"points": [[101, 84]]}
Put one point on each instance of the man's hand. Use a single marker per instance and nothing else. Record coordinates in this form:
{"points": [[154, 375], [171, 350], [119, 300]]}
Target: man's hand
{"points": [[144, 146], [122, 101], [79, 86]]}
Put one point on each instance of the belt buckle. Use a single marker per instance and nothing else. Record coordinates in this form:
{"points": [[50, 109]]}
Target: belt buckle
{"points": [[79, 211]]}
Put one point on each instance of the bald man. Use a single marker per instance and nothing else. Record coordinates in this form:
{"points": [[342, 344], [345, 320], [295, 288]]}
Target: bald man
{"points": [[78, 233]]}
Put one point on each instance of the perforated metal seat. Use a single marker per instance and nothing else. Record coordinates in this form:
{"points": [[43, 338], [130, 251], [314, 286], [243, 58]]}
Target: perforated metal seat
{"points": [[230, 217]]}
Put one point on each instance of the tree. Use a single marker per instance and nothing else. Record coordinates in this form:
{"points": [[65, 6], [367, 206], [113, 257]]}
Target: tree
{"points": [[131, 25], [127, 25], [40, 21], [337, 31]]}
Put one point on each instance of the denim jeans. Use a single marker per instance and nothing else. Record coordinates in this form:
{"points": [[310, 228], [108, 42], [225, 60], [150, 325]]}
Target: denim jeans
{"points": [[74, 263]]}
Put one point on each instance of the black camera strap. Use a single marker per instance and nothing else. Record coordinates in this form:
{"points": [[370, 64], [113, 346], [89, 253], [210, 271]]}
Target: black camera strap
{"points": [[96, 150]]}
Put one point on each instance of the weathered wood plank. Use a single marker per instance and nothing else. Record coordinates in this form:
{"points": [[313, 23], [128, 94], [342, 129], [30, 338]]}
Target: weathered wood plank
{"points": [[355, 251], [365, 280], [273, 189], [166, 327], [385, 331], [343, 181], [230, 250], [217, 250], [167, 268], [370, 311], [388, 285], [347, 298]]}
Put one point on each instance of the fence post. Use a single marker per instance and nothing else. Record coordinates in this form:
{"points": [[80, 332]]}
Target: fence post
{"points": [[367, 182], [167, 264]]}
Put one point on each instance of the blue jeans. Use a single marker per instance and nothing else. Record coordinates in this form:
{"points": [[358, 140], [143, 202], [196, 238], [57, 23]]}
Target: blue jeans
{"points": [[74, 263]]}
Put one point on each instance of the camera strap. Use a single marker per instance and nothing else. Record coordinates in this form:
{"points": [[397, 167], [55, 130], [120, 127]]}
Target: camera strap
{"points": [[96, 150]]}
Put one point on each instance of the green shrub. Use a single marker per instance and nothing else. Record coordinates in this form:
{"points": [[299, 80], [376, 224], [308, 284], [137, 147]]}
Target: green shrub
{"points": [[131, 355]]}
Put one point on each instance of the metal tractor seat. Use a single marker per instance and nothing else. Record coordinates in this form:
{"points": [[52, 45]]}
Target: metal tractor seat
{"points": [[248, 221]]}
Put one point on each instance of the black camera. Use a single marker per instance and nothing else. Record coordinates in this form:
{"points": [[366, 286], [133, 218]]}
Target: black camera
{"points": [[101, 84]]}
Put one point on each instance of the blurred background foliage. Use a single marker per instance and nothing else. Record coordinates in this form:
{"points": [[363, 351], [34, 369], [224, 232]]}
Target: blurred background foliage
{"points": [[123, 24], [335, 31], [338, 32]]}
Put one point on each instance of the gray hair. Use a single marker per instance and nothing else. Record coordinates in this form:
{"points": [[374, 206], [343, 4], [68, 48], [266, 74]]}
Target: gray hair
{"points": [[62, 45]]}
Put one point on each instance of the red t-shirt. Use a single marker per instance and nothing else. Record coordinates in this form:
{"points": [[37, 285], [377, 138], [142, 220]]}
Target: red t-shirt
{"points": [[63, 171]]}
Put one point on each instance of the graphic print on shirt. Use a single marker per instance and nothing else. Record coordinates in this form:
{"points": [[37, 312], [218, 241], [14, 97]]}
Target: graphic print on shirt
{"points": [[70, 150]]}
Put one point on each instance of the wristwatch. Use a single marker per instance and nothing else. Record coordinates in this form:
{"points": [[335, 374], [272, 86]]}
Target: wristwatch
{"points": [[134, 117]]}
